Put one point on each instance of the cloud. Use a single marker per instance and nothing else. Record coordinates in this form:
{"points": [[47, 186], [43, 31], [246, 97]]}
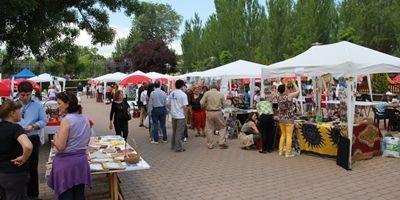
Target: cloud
{"points": [[85, 39], [176, 45]]}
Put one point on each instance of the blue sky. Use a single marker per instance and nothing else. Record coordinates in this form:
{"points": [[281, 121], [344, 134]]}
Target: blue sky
{"points": [[122, 23]]}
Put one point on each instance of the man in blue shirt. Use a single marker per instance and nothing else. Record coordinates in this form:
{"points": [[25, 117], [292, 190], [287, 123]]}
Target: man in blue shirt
{"points": [[158, 112], [33, 119]]}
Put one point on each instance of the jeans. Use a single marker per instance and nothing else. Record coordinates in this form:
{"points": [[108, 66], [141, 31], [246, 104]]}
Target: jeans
{"points": [[159, 115]]}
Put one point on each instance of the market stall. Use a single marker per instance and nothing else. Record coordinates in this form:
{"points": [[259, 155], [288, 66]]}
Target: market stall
{"points": [[343, 60], [53, 80], [109, 155]]}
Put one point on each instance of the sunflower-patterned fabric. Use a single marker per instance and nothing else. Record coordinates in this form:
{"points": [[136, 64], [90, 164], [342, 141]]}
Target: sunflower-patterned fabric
{"points": [[320, 139]]}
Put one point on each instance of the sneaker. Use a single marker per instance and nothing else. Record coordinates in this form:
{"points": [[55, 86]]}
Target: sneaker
{"points": [[182, 150], [289, 156], [141, 125], [164, 141], [153, 142], [185, 139], [223, 146]]}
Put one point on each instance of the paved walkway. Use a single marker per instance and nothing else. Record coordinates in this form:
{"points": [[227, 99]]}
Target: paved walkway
{"points": [[200, 173]]}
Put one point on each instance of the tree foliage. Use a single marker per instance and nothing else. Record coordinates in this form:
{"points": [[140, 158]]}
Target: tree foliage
{"points": [[154, 22], [280, 29], [47, 28], [153, 55]]}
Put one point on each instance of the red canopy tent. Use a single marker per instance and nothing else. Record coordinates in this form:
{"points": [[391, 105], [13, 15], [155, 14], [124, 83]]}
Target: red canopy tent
{"points": [[134, 79], [397, 79], [4, 90], [7, 82]]}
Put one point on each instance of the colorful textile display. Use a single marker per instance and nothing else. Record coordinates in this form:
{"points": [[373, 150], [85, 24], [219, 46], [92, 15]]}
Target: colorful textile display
{"points": [[366, 142], [321, 139]]}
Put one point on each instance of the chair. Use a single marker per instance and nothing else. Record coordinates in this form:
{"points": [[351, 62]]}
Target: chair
{"points": [[393, 124], [379, 117]]}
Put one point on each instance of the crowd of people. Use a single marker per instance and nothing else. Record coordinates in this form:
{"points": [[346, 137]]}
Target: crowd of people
{"points": [[20, 125], [199, 107]]}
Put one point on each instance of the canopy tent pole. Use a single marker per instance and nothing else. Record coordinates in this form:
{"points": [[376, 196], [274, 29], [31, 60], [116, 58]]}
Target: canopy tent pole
{"points": [[300, 94], [252, 80], [105, 91], [370, 86], [350, 112]]}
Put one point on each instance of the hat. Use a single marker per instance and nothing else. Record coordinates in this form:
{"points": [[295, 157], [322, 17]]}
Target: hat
{"points": [[389, 94]]}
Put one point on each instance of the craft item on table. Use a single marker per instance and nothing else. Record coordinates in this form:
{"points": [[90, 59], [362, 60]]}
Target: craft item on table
{"points": [[110, 150], [391, 147], [92, 149], [119, 158], [99, 155], [96, 167], [126, 151], [132, 158], [117, 154], [103, 146], [117, 143], [101, 160], [113, 166]]}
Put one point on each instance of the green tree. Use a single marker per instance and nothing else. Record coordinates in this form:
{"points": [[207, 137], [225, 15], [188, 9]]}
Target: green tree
{"points": [[156, 21], [379, 83], [48, 28], [313, 21], [279, 28], [376, 23], [225, 57]]}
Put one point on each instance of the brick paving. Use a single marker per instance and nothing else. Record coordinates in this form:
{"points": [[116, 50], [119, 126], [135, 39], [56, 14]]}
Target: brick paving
{"points": [[200, 173]]}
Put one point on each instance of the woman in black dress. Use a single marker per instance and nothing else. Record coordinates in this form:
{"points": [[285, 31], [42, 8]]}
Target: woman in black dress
{"points": [[15, 149], [119, 114]]}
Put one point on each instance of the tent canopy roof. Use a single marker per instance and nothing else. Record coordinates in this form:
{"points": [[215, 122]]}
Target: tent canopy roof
{"points": [[342, 58], [46, 78], [25, 73], [237, 69], [156, 75], [112, 77]]}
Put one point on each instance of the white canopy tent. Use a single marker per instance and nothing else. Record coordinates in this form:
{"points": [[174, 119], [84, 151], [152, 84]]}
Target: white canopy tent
{"points": [[236, 70], [190, 74], [112, 77], [155, 76], [339, 59], [49, 78]]}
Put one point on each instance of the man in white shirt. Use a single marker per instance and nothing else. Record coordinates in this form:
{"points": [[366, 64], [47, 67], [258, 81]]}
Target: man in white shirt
{"points": [[143, 108], [178, 101]]}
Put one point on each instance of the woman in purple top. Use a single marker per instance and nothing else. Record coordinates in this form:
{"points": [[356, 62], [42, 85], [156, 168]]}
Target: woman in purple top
{"points": [[71, 171]]}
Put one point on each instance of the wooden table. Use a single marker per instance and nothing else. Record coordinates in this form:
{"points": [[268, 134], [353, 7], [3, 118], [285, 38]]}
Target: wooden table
{"points": [[113, 180]]}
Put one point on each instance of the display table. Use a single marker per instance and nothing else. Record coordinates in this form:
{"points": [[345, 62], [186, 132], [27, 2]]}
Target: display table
{"points": [[101, 146], [322, 139]]}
